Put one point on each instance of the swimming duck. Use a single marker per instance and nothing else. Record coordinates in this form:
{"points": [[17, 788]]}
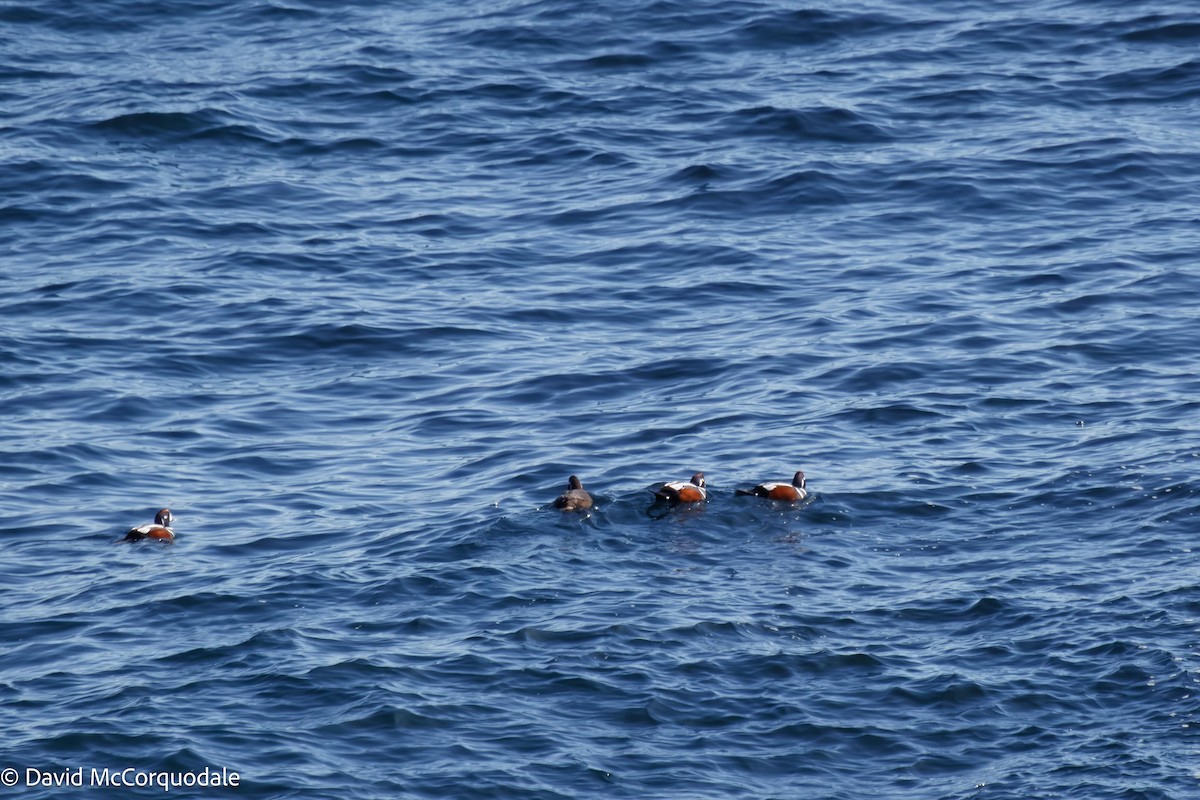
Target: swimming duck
{"points": [[574, 498], [789, 492], [159, 529], [692, 491]]}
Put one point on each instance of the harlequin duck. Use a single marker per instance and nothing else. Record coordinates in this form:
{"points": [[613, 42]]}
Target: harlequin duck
{"points": [[789, 492], [160, 529], [680, 492], [574, 498]]}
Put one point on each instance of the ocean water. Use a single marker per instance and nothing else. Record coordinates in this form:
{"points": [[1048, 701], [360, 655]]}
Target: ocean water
{"points": [[353, 287]]}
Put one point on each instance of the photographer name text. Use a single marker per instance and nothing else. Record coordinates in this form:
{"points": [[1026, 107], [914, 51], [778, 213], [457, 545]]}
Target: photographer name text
{"points": [[130, 777]]}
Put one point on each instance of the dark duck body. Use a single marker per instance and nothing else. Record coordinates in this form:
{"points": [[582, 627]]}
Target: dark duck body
{"points": [[575, 498], [692, 491], [787, 492], [160, 529]]}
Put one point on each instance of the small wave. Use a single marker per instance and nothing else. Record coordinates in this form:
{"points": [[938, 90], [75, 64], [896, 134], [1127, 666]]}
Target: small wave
{"points": [[820, 123], [807, 27]]}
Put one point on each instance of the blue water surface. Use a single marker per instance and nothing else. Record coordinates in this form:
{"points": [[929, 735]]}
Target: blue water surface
{"points": [[353, 287]]}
